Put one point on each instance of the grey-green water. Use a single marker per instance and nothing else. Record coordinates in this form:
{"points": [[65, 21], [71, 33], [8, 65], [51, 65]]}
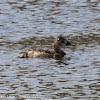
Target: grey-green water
{"points": [[33, 24]]}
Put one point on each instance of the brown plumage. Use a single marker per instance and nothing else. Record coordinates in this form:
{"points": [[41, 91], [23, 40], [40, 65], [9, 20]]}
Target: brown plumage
{"points": [[58, 52]]}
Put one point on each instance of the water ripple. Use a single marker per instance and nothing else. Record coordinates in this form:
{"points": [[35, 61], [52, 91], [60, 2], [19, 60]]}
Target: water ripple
{"points": [[34, 24]]}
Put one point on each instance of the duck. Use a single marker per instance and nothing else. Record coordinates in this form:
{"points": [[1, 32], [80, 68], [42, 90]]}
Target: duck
{"points": [[59, 43]]}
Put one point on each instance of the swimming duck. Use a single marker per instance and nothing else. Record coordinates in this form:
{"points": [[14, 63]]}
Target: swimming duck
{"points": [[59, 42]]}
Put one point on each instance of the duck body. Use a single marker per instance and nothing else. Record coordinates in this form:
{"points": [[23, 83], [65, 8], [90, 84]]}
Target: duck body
{"points": [[58, 52], [39, 54]]}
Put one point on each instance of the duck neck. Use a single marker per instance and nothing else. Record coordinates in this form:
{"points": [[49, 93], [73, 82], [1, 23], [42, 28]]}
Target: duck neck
{"points": [[57, 49]]}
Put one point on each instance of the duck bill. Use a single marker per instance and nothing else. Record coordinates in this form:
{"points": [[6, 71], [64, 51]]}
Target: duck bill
{"points": [[68, 44]]}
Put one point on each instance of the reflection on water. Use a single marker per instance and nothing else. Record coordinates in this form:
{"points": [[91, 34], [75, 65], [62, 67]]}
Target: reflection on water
{"points": [[34, 24]]}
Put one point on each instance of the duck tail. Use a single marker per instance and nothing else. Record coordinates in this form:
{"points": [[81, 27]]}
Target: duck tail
{"points": [[22, 55]]}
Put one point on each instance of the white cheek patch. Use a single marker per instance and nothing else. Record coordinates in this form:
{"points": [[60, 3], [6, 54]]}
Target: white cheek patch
{"points": [[58, 39]]}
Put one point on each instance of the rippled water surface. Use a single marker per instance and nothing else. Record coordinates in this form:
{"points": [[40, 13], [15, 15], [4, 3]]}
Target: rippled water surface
{"points": [[34, 24]]}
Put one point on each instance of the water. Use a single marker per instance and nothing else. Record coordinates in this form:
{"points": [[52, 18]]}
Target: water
{"points": [[34, 24]]}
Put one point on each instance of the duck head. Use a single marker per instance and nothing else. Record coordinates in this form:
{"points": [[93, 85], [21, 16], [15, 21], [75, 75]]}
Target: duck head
{"points": [[60, 42]]}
